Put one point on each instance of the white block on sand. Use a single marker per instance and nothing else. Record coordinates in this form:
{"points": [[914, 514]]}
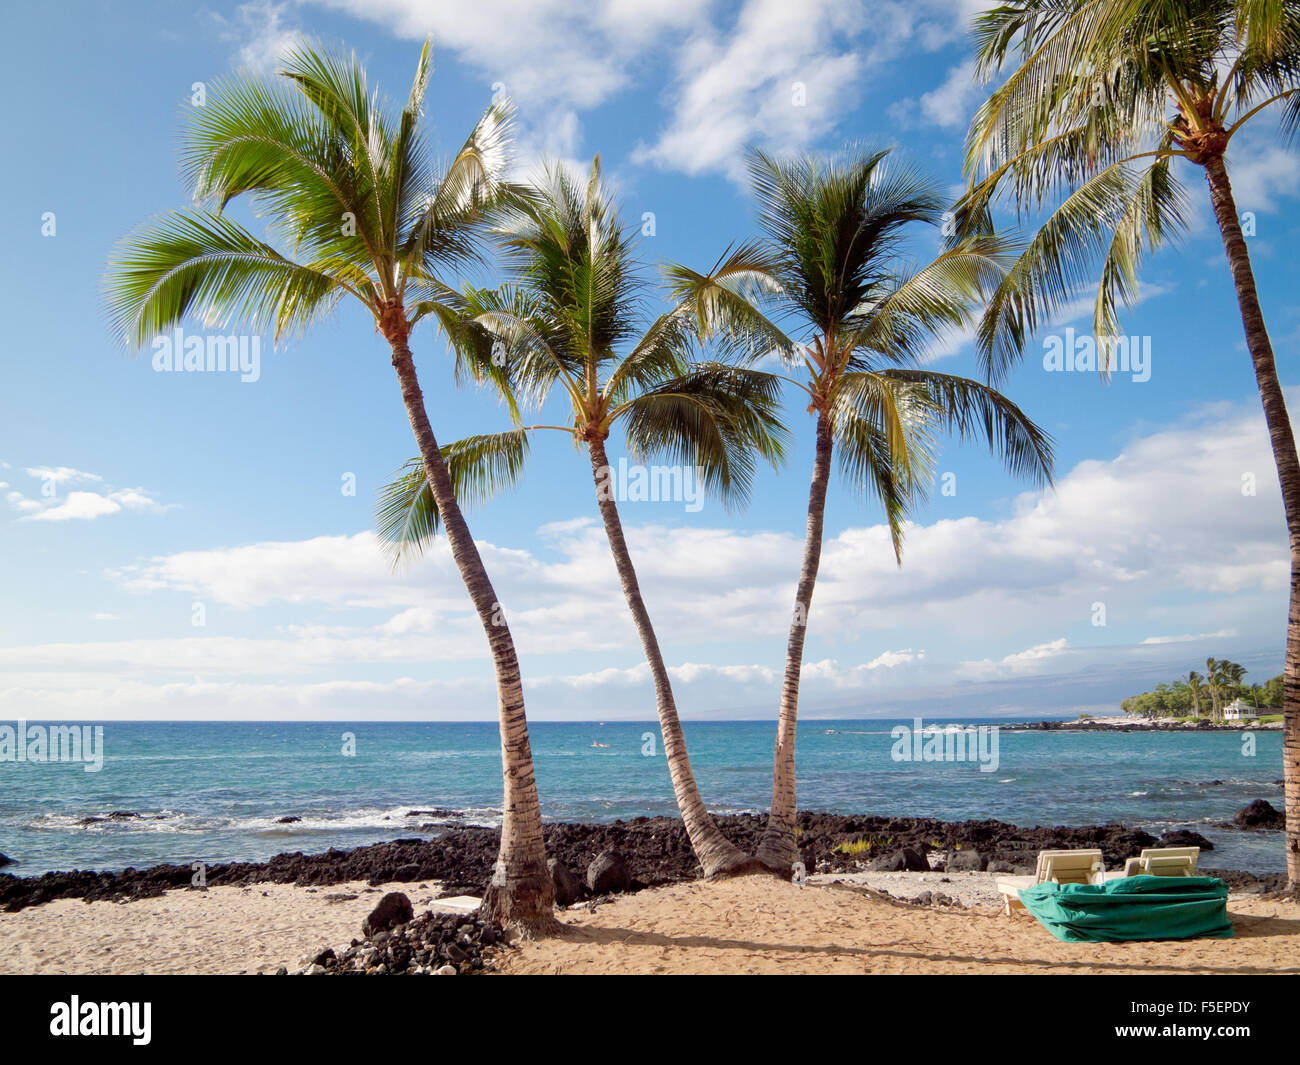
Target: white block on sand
{"points": [[458, 903]]}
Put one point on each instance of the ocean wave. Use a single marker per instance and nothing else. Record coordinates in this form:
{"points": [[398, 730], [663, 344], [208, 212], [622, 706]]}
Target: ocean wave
{"points": [[271, 824]]}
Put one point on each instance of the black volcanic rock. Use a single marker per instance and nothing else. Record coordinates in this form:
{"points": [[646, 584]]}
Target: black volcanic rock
{"points": [[568, 888], [607, 873], [5, 860], [393, 909], [1259, 814], [656, 851], [966, 861], [1185, 838]]}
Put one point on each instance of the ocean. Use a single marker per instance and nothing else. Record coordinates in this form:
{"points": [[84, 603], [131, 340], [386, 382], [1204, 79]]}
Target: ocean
{"points": [[215, 791]]}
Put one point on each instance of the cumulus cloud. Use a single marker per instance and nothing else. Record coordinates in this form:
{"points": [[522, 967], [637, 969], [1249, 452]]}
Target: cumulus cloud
{"points": [[54, 504], [1162, 536]]}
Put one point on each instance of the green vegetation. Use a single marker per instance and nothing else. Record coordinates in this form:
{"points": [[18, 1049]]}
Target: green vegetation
{"points": [[1204, 696]]}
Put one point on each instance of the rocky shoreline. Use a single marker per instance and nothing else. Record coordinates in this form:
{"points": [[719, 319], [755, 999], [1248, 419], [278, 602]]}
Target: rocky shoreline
{"points": [[644, 852]]}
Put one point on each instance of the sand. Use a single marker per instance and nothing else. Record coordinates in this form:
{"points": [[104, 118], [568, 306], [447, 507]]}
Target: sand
{"points": [[751, 925], [757, 925], [221, 930]]}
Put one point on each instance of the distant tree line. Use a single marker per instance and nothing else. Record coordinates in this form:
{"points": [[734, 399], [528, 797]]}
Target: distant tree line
{"points": [[1205, 694]]}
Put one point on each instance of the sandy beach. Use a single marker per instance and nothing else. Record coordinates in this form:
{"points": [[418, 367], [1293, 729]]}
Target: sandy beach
{"points": [[757, 925], [224, 930], [750, 925]]}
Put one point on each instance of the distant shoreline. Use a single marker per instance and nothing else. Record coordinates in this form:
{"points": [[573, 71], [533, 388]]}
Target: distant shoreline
{"points": [[1143, 725]]}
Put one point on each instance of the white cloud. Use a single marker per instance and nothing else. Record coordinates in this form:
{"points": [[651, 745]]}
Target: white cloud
{"points": [[949, 105], [1190, 637], [1262, 174], [1161, 534], [261, 31], [78, 505]]}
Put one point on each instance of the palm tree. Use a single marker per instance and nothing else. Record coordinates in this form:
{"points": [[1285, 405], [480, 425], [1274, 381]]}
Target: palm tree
{"points": [[1195, 686], [570, 320], [830, 263], [362, 212], [1214, 685], [1101, 97], [1235, 675]]}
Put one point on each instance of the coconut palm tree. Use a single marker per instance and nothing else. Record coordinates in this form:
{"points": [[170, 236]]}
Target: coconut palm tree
{"points": [[1195, 685], [357, 209], [569, 320], [1100, 98], [830, 266], [1214, 685]]}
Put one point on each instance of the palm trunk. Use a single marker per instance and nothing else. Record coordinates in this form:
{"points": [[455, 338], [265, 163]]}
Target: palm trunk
{"points": [[1288, 472], [716, 854], [525, 896], [778, 849]]}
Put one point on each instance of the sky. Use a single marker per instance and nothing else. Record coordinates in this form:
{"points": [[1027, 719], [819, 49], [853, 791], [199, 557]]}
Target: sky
{"points": [[184, 545]]}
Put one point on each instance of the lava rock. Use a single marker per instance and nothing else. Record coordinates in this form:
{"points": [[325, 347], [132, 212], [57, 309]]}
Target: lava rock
{"points": [[905, 860], [393, 909], [5, 860], [1259, 814], [608, 873], [1184, 837], [968, 861], [568, 888], [291, 820]]}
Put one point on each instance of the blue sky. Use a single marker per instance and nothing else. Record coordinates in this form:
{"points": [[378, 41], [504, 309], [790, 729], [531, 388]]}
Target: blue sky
{"points": [[130, 496]]}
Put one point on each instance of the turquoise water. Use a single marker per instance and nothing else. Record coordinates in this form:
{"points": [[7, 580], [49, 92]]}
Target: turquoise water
{"points": [[214, 791]]}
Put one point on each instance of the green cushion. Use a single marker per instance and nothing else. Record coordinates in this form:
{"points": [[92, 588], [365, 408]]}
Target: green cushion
{"points": [[1134, 907]]}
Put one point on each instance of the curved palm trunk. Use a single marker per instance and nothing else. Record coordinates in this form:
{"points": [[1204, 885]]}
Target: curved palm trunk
{"points": [[1288, 471], [716, 854], [778, 849], [526, 898]]}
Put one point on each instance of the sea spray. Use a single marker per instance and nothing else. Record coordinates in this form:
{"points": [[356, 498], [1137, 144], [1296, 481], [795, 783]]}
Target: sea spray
{"points": [[951, 743]]}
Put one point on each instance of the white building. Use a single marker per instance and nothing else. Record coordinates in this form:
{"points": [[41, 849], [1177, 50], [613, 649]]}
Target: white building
{"points": [[1239, 710]]}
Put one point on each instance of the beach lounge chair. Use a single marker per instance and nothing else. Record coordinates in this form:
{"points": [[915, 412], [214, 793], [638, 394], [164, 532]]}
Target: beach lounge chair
{"points": [[1164, 861], [1053, 867]]}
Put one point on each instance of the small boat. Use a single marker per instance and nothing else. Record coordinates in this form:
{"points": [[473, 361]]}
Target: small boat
{"points": [[595, 744]]}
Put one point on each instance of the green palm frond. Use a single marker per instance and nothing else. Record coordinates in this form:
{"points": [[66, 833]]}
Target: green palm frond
{"points": [[1059, 259], [726, 302], [970, 409], [941, 296], [716, 417], [406, 516], [194, 263], [884, 433], [1096, 99]]}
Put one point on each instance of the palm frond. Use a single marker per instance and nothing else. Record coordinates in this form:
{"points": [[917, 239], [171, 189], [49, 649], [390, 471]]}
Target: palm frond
{"points": [[195, 263], [716, 417], [970, 409], [406, 514]]}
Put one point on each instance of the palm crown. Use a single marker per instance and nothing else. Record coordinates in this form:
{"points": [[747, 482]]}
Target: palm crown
{"points": [[860, 318], [356, 208], [1105, 96], [573, 318]]}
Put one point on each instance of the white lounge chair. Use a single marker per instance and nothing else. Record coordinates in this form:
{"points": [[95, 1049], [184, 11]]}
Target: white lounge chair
{"points": [[1164, 861], [1053, 867]]}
